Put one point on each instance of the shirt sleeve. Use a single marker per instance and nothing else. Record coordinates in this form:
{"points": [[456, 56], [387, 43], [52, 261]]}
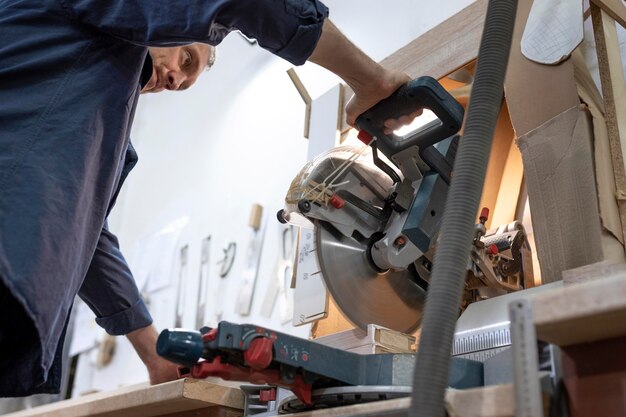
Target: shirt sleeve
{"points": [[110, 290], [287, 28]]}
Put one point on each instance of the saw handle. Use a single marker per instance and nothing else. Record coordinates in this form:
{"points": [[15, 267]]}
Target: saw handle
{"points": [[420, 93]]}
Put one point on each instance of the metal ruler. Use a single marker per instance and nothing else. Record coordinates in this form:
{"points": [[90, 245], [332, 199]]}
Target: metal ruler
{"points": [[482, 343], [528, 400]]}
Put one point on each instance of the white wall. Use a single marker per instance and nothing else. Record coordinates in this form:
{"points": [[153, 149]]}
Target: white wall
{"points": [[232, 140]]}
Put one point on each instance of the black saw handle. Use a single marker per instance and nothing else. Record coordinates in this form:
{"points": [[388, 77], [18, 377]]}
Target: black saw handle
{"points": [[420, 93]]}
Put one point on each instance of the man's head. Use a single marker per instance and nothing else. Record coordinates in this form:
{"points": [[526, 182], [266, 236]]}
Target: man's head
{"points": [[177, 68]]}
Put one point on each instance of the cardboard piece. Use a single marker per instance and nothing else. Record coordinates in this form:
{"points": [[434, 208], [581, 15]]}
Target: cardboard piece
{"points": [[535, 93], [605, 177], [559, 167]]}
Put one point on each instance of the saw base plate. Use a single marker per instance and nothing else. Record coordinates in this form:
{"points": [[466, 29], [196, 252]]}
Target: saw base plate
{"points": [[340, 396]]}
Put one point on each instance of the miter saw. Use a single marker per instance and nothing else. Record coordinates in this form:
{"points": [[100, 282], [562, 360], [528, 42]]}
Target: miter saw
{"points": [[376, 218], [377, 221]]}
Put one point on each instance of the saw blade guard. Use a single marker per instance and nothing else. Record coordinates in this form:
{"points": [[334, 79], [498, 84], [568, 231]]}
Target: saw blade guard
{"points": [[342, 187]]}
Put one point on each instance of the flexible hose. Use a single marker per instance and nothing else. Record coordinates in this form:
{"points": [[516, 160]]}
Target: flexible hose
{"points": [[453, 248]]}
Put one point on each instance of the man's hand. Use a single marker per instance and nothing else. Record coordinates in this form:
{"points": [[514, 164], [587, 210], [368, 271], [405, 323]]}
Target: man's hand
{"points": [[144, 341], [364, 100], [369, 80]]}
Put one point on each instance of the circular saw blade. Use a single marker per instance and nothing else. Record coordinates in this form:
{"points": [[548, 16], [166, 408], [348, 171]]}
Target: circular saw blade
{"points": [[366, 296]]}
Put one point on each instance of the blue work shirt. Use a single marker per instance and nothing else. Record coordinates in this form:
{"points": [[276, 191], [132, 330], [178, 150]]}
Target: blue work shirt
{"points": [[69, 83]]}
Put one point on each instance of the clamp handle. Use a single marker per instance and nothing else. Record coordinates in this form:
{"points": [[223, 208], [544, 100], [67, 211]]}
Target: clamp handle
{"points": [[420, 93]]}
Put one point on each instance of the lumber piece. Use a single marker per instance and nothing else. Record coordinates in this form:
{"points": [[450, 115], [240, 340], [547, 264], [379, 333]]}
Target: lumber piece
{"points": [[595, 271], [614, 94], [184, 395], [614, 8], [586, 312], [440, 51], [445, 48]]}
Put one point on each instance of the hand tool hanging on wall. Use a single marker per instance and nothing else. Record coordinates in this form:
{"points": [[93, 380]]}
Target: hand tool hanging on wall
{"points": [[182, 278], [203, 282], [253, 258], [225, 266]]}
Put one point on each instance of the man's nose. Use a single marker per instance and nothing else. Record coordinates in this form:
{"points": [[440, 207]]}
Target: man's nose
{"points": [[174, 80]]}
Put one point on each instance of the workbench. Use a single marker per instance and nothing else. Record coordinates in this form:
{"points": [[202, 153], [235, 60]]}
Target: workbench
{"points": [[184, 398], [585, 312]]}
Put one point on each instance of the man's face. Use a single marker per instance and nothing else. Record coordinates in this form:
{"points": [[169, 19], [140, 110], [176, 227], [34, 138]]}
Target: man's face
{"points": [[177, 68]]}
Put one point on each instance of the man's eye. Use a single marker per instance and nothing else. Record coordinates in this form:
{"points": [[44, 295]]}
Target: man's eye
{"points": [[186, 59]]}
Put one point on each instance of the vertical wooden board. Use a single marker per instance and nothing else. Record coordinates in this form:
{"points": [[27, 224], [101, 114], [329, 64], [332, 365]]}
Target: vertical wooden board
{"points": [[500, 149], [614, 95], [612, 211], [510, 186], [614, 8]]}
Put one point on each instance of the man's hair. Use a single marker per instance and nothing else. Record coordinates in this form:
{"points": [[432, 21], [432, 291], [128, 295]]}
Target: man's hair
{"points": [[212, 56]]}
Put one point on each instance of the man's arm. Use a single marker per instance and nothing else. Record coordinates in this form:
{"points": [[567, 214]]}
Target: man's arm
{"points": [[110, 291], [144, 341], [369, 80]]}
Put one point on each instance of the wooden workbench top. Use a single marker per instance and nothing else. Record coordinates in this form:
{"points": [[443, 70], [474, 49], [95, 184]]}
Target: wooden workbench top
{"points": [[184, 397]]}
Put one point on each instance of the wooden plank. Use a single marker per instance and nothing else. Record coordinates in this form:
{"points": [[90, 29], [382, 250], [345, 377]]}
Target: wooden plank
{"points": [[614, 94], [596, 271], [614, 8], [502, 140], [510, 187], [440, 51], [306, 97], [445, 48], [494, 401], [586, 312], [144, 401]]}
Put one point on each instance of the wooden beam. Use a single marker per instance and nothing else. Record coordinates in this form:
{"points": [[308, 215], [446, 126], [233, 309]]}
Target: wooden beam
{"points": [[306, 97], [440, 51], [144, 401], [445, 48], [614, 94], [614, 8], [582, 313]]}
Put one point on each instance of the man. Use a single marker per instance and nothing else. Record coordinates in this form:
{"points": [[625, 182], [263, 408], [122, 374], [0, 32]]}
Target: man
{"points": [[70, 75]]}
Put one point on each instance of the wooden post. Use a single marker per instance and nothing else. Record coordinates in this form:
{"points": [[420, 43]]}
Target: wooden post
{"points": [[614, 94]]}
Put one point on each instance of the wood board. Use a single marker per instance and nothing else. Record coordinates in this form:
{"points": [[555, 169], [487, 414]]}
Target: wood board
{"points": [[440, 51], [184, 395], [585, 312]]}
